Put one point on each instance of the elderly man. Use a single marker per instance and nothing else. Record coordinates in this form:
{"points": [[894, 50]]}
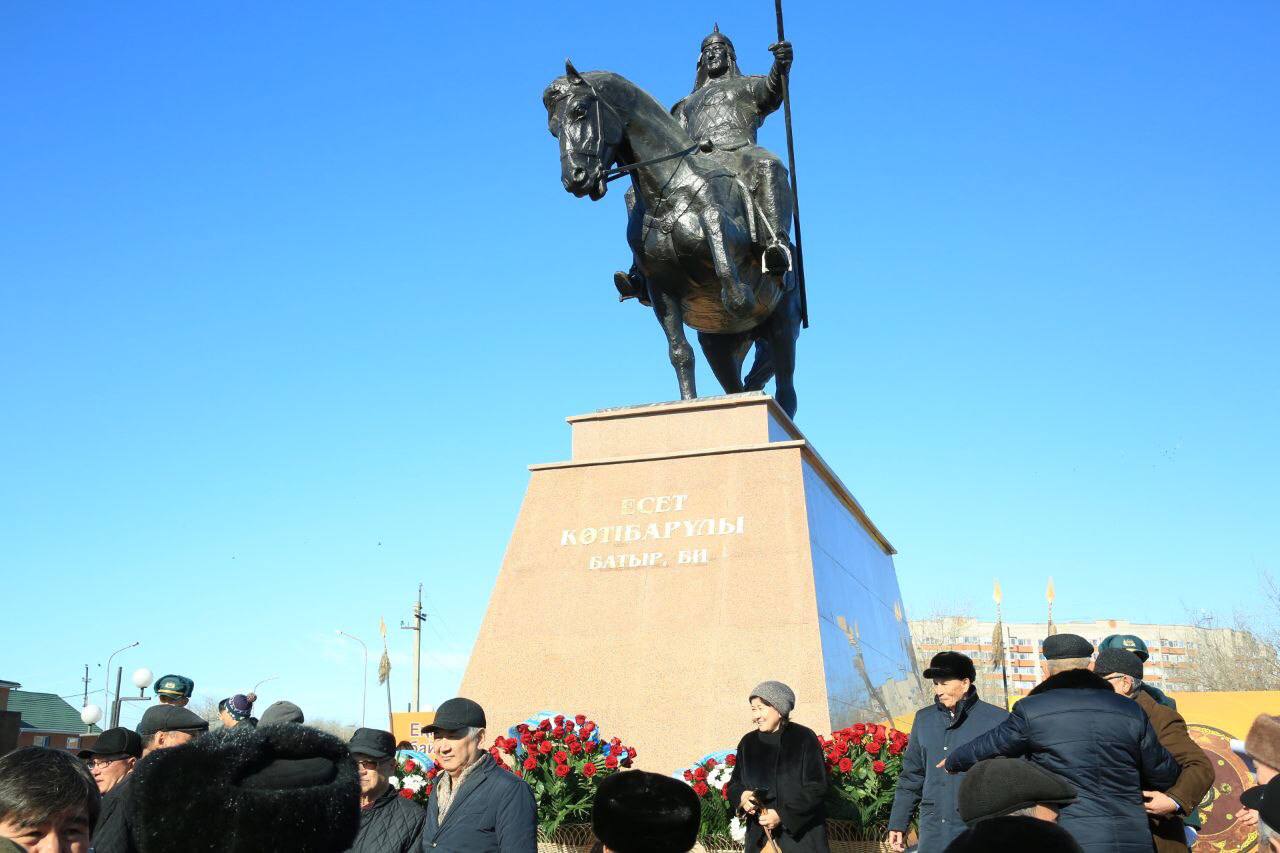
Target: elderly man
{"points": [[1073, 724], [48, 801], [956, 716], [161, 727], [1134, 643], [476, 806], [389, 823], [1166, 810], [999, 787]]}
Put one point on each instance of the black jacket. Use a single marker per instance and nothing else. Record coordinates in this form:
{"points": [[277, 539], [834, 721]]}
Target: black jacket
{"points": [[935, 734], [493, 812], [111, 835], [391, 824], [801, 779], [1075, 725]]}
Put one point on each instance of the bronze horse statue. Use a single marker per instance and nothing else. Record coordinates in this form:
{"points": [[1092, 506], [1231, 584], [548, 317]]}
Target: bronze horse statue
{"points": [[697, 240]]}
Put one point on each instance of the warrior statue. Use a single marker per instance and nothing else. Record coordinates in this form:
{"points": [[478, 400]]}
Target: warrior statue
{"points": [[723, 112]]}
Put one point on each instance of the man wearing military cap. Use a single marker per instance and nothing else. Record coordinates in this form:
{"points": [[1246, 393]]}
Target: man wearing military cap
{"points": [[1066, 651], [175, 690], [162, 727], [1133, 643]]}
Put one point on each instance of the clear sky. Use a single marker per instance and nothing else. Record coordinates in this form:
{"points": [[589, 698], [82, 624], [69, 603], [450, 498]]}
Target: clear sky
{"points": [[291, 295]]}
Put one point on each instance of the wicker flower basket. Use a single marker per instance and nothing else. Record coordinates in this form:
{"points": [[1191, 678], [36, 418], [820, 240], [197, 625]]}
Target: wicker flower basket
{"points": [[844, 837], [573, 838]]}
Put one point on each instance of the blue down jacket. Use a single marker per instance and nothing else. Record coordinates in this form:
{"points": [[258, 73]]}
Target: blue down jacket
{"points": [[1075, 725], [935, 733]]}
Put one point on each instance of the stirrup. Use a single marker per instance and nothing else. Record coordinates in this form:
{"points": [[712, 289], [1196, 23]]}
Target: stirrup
{"points": [[786, 253]]}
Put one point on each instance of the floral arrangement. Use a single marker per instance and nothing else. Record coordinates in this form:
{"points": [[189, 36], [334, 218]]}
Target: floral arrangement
{"points": [[863, 764], [414, 779], [709, 779], [563, 759]]}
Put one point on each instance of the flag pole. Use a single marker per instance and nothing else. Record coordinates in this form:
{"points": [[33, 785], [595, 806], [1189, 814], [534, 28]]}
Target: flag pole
{"points": [[998, 642], [791, 165]]}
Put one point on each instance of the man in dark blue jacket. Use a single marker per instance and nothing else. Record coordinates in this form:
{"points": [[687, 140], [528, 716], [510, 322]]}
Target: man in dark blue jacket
{"points": [[1072, 724], [476, 806], [955, 717]]}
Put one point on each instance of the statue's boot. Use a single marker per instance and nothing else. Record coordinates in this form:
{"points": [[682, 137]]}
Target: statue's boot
{"points": [[774, 197], [631, 285]]}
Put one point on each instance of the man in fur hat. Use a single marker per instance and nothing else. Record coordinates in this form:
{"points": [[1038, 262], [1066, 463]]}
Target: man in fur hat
{"points": [[726, 108]]}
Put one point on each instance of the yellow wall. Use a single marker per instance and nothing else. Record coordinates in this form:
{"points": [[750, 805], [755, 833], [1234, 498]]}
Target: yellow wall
{"points": [[1233, 713]]}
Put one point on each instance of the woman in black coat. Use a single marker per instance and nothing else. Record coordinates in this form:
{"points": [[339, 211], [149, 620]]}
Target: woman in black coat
{"points": [[780, 778]]}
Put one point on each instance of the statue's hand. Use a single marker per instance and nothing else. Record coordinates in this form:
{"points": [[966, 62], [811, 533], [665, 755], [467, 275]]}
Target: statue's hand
{"points": [[783, 55]]}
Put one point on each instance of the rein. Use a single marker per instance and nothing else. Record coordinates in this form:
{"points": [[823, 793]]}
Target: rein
{"points": [[605, 151]]}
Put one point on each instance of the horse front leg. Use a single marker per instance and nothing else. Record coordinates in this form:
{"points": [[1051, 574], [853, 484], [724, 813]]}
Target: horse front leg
{"points": [[720, 233], [666, 307]]}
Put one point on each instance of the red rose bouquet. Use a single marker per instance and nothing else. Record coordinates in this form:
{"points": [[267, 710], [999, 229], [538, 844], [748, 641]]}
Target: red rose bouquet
{"points": [[709, 779], [863, 764], [414, 779], [563, 759]]}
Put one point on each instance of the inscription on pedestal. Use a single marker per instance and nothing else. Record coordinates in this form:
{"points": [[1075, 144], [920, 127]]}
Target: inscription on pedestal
{"points": [[645, 534]]}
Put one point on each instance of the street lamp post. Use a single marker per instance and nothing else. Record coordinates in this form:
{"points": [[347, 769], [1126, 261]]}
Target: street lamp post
{"points": [[364, 685], [106, 682], [142, 679]]}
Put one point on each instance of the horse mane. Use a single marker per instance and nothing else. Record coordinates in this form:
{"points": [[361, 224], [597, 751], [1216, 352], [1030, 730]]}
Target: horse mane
{"points": [[619, 92]]}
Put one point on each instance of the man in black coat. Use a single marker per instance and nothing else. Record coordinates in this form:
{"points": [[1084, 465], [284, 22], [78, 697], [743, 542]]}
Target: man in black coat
{"points": [[476, 806], [956, 717], [1075, 725], [389, 823]]}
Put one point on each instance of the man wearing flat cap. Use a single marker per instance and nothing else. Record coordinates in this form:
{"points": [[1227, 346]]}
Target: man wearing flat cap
{"points": [[476, 806], [1074, 725], [161, 727], [956, 716], [1134, 643], [1166, 810], [389, 823], [999, 787]]}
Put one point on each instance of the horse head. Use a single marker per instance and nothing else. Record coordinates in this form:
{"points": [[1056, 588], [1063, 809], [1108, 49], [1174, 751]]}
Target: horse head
{"points": [[589, 130]]}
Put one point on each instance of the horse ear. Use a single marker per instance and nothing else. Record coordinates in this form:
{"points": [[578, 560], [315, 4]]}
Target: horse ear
{"points": [[572, 73]]}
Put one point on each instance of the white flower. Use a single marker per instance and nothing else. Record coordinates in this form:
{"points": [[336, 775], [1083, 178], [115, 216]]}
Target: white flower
{"points": [[394, 781], [738, 830], [719, 777], [414, 783]]}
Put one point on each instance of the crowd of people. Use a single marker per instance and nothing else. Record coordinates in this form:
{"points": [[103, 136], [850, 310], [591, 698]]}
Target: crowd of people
{"points": [[1092, 760]]}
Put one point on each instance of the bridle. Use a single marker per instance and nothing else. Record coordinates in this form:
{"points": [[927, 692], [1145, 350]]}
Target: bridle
{"points": [[605, 152]]}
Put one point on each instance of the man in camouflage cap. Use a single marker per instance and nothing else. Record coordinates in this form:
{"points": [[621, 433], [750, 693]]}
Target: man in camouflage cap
{"points": [[175, 690]]}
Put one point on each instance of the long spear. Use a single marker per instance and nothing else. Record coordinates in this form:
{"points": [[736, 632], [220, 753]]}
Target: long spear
{"points": [[791, 165]]}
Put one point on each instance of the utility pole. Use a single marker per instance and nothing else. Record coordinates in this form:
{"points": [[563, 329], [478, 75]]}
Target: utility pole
{"points": [[86, 686], [418, 618]]}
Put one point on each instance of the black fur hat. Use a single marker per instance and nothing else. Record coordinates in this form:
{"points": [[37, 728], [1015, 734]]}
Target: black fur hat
{"points": [[287, 789], [640, 812], [947, 665], [1011, 834]]}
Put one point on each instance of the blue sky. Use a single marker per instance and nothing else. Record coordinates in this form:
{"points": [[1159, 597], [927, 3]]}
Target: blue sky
{"points": [[290, 295]]}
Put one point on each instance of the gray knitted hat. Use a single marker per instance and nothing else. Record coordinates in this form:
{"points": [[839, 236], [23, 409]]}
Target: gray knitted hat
{"points": [[777, 694]]}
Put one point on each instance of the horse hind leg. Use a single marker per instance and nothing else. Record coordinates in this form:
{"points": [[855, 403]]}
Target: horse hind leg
{"points": [[725, 354], [761, 366], [782, 332]]}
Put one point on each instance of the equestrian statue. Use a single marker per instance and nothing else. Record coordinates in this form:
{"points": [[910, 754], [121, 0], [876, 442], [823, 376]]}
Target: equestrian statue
{"points": [[709, 212]]}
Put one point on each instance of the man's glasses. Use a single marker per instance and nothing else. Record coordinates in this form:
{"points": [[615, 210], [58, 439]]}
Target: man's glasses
{"points": [[103, 762]]}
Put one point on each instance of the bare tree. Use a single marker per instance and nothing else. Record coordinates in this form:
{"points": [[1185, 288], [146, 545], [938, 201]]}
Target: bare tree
{"points": [[1241, 655], [342, 731]]}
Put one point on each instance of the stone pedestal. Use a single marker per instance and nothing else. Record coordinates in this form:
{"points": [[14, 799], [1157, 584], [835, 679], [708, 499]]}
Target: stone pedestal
{"points": [[686, 552]]}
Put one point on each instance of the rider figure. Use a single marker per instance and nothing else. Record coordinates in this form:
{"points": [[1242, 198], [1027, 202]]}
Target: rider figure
{"points": [[726, 108]]}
